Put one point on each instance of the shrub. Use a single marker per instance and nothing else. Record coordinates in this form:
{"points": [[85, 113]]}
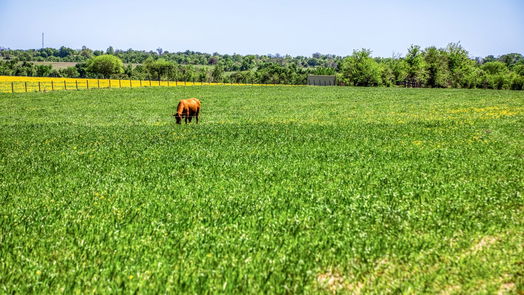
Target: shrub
{"points": [[495, 67], [105, 65], [360, 69]]}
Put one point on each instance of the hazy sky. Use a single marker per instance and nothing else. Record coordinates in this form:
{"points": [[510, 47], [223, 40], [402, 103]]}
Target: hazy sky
{"points": [[262, 27]]}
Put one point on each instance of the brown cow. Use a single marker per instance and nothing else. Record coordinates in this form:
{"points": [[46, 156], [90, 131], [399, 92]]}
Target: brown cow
{"points": [[187, 109]]}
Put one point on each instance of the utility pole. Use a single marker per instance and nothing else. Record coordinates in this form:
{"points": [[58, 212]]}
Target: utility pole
{"points": [[42, 40]]}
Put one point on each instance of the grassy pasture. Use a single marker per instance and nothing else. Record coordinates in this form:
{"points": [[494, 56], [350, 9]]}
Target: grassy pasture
{"points": [[56, 65], [277, 190]]}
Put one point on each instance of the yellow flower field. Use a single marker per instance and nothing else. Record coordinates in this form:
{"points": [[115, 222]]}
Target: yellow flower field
{"points": [[15, 84]]}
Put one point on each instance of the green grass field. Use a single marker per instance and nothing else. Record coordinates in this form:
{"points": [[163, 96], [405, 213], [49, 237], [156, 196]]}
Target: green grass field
{"points": [[277, 190]]}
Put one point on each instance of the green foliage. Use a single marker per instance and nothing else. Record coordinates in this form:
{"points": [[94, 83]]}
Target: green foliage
{"points": [[494, 68], [400, 69], [511, 59], [519, 69], [460, 65], [498, 76], [110, 50], [437, 67], [185, 73], [81, 68], [387, 75], [105, 65], [64, 52], [270, 73], [43, 70], [360, 69], [69, 72], [417, 67], [323, 71], [517, 83], [217, 73], [158, 68], [277, 190], [86, 52], [242, 77], [429, 67], [248, 63]]}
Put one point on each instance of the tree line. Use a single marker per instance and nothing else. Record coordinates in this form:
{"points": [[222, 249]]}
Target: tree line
{"points": [[449, 67]]}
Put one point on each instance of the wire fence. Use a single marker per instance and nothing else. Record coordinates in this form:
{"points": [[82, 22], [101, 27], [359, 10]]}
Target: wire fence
{"points": [[18, 84]]}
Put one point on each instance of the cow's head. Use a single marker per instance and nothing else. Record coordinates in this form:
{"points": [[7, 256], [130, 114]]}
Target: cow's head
{"points": [[178, 118]]}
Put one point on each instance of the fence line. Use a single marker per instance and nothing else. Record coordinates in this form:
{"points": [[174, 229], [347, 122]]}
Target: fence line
{"points": [[18, 84]]}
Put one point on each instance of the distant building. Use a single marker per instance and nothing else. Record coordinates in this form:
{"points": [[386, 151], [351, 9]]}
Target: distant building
{"points": [[321, 80]]}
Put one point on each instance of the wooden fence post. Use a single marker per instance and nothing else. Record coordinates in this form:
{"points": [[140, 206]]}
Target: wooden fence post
{"points": [[13, 87], [120, 83], [76, 82], [150, 83], [65, 85], [39, 88], [87, 84], [130, 84], [98, 83], [52, 86], [109, 82], [25, 86], [140, 82]]}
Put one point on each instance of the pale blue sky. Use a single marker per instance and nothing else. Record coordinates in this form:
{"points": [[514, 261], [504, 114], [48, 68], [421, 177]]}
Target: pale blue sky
{"points": [[263, 27]]}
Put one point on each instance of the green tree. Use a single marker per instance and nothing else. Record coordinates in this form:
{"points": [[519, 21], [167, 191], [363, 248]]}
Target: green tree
{"points": [[498, 75], [511, 59], [81, 68], [69, 72], [105, 65], [360, 69], [399, 68], [417, 71], [519, 69], [323, 71], [65, 52], [217, 73], [518, 80], [437, 67], [86, 52], [387, 75], [248, 62], [495, 67], [158, 68], [43, 70], [459, 64], [110, 50]]}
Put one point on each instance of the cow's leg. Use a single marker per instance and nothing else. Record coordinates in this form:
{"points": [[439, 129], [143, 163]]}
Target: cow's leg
{"points": [[187, 115], [190, 117], [196, 115]]}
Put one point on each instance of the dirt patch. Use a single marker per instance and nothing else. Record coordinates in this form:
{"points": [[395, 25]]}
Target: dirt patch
{"points": [[506, 288], [335, 282], [485, 242], [331, 281], [482, 244], [450, 290]]}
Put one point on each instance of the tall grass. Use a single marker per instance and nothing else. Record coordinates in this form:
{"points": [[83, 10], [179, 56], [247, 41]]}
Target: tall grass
{"points": [[277, 190]]}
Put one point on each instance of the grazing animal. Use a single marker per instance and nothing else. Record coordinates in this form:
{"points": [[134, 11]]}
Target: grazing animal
{"points": [[187, 109]]}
